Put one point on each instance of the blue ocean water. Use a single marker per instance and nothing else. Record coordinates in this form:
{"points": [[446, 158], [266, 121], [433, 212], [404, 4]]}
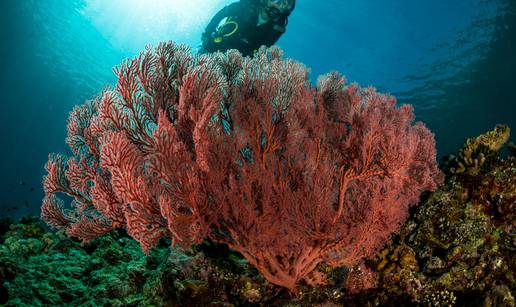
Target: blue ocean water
{"points": [[453, 60]]}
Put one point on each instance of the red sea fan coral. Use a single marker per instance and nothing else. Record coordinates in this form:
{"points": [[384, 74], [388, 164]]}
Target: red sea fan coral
{"points": [[246, 152]]}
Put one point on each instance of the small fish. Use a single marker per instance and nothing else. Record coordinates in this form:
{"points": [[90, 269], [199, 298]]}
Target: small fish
{"points": [[31, 189], [14, 207], [23, 183], [26, 202]]}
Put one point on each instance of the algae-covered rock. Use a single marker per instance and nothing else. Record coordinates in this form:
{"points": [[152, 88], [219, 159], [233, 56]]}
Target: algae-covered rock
{"points": [[497, 192]]}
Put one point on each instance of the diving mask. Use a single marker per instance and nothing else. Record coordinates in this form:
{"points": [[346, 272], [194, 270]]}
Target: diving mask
{"points": [[278, 8]]}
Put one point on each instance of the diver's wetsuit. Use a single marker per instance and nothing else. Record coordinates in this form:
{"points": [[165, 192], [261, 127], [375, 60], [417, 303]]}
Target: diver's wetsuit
{"points": [[236, 27]]}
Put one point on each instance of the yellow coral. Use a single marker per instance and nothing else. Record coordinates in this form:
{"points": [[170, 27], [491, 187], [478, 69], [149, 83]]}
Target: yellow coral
{"points": [[392, 260], [476, 151]]}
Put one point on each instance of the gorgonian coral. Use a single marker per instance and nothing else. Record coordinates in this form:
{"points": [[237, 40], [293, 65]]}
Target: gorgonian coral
{"points": [[246, 152]]}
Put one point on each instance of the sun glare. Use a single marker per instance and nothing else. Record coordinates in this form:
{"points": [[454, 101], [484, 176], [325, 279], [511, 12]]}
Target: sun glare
{"points": [[131, 24]]}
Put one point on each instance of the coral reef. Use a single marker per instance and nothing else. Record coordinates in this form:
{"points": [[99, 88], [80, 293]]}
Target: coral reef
{"points": [[456, 249], [459, 245], [245, 152]]}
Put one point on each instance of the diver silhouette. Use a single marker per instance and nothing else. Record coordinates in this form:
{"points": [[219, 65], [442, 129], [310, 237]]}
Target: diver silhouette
{"points": [[246, 25]]}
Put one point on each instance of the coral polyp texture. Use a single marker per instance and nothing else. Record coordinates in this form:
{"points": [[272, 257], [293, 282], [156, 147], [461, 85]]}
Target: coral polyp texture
{"points": [[247, 153]]}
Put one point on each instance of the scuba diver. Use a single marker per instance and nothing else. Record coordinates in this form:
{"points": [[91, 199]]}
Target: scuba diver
{"points": [[246, 25]]}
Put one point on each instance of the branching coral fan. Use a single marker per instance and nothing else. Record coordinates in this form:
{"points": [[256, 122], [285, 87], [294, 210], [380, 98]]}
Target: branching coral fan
{"points": [[246, 152]]}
